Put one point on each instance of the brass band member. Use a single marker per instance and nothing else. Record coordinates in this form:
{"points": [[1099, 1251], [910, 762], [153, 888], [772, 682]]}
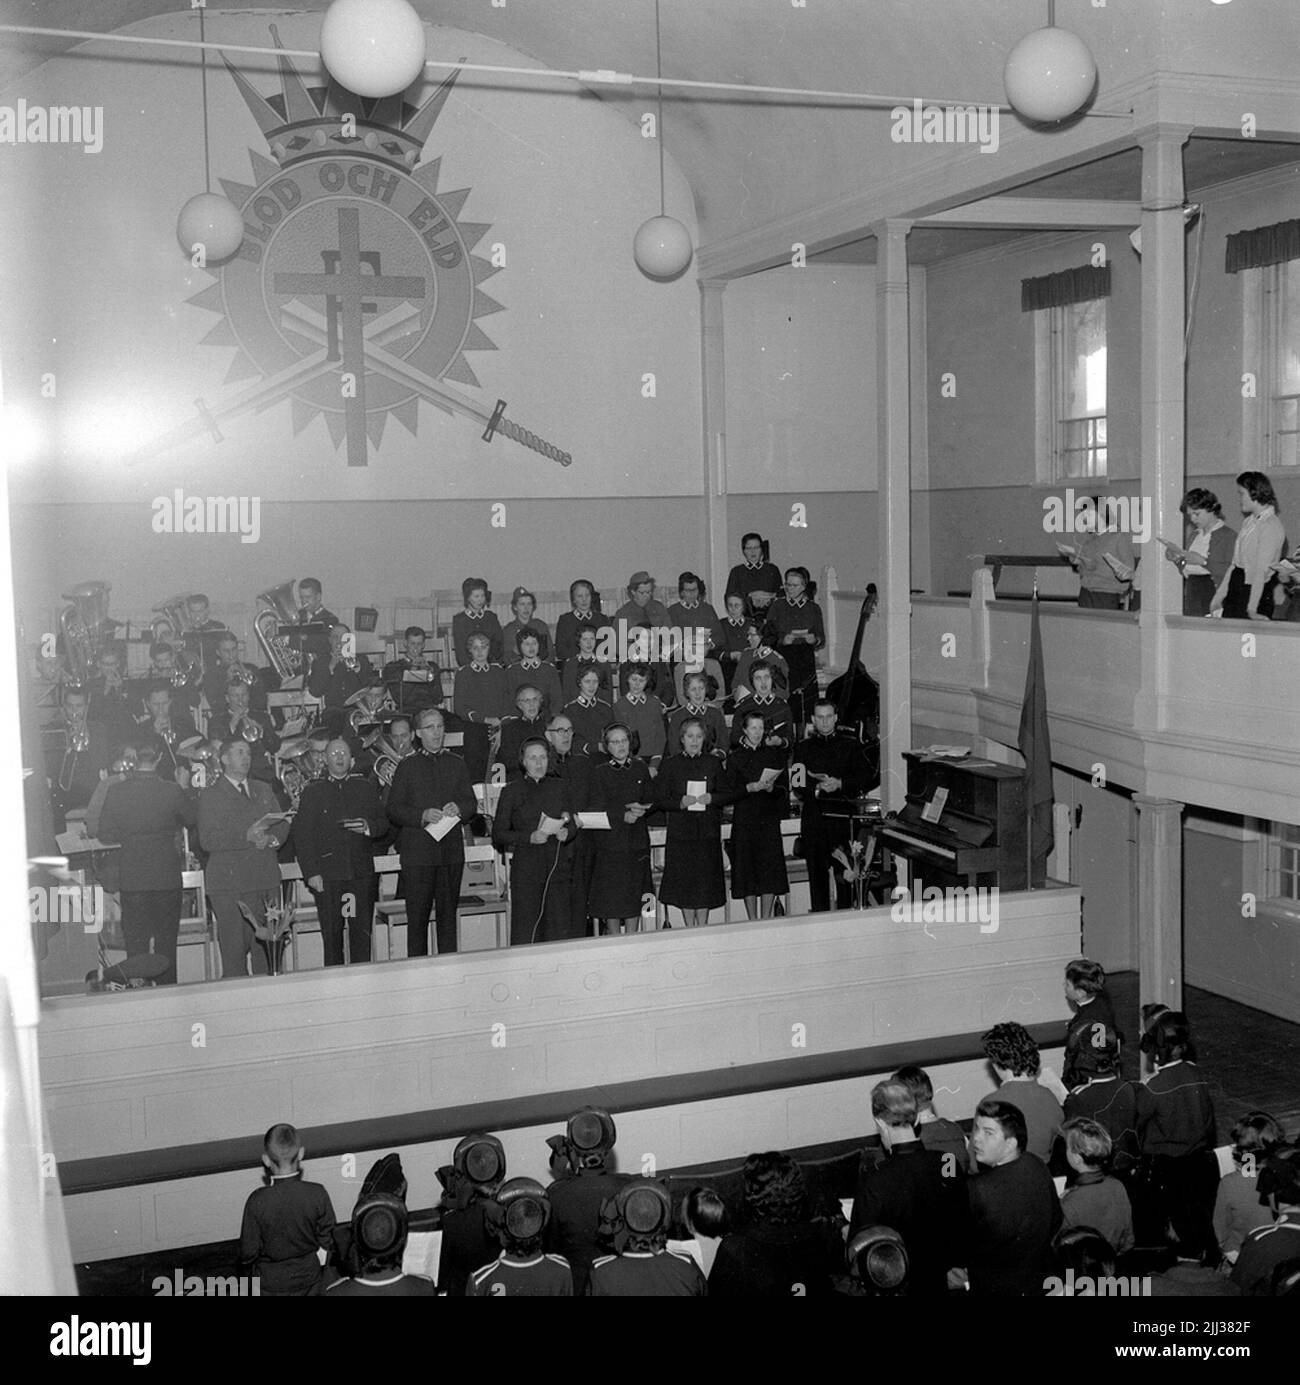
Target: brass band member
{"points": [[313, 612], [166, 724], [166, 666], [225, 668], [339, 819], [428, 788], [240, 721], [413, 680], [145, 813], [198, 608], [110, 702], [336, 675], [77, 751]]}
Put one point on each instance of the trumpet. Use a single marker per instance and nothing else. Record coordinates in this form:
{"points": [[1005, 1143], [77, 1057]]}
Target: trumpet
{"points": [[251, 730], [241, 673]]}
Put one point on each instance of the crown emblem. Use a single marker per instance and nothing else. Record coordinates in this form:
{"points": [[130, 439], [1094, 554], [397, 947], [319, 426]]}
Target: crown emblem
{"points": [[303, 122]]}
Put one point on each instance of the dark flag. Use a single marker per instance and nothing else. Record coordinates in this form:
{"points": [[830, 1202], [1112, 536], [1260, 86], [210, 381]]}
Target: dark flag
{"points": [[1036, 746]]}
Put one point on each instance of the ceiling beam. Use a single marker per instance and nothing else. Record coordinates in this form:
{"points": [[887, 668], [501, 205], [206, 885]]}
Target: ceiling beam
{"points": [[1038, 213]]}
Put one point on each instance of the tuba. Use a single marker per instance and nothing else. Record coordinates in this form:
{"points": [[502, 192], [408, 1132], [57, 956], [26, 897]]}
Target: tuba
{"points": [[280, 610], [170, 626], [85, 627], [386, 760]]}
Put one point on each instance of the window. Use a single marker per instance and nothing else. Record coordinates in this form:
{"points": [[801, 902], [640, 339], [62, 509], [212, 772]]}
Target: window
{"points": [[1271, 867], [1283, 871], [1070, 367], [1272, 345]]}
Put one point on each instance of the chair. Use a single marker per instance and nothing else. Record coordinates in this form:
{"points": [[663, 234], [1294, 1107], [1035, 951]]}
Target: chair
{"points": [[485, 875], [196, 923]]}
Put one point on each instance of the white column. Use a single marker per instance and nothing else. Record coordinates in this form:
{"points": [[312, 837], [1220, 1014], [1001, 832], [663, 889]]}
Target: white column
{"points": [[1163, 400], [713, 394], [893, 463], [1160, 901]]}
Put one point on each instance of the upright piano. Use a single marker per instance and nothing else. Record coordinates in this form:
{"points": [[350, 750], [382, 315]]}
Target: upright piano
{"points": [[974, 834]]}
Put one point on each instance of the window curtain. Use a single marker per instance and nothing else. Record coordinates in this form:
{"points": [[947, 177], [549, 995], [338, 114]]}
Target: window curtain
{"points": [[1068, 286], [1265, 245]]}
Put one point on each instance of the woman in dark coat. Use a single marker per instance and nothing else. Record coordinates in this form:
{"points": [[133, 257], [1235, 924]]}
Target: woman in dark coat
{"points": [[623, 789], [757, 855], [693, 876], [757, 581]]}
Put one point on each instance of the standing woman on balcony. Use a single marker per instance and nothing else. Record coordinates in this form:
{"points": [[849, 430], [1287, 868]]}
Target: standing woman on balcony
{"points": [[1246, 592], [1213, 543]]}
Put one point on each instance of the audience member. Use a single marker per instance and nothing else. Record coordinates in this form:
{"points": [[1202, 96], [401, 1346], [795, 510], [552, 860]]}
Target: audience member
{"points": [[1095, 1199], [1013, 1055], [706, 1217], [1014, 1210], [469, 1185], [937, 1134], [645, 1267], [1085, 989], [779, 1252], [1268, 1247], [913, 1190], [379, 1228], [521, 1213], [1238, 1208], [577, 1230], [288, 1225]]}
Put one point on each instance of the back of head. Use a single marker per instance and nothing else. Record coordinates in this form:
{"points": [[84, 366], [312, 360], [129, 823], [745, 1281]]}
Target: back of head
{"points": [[1254, 1137], [1151, 1012], [1085, 975], [587, 1140], [481, 1159], [893, 1104], [1088, 1141], [775, 1190], [917, 1081], [519, 1215], [1011, 1047], [706, 1213], [1279, 1177], [1085, 1251], [878, 1260], [281, 1145], [385, 1176], [644, 1209], [1094, 1048], [379, 1233], [1171, 1038]]}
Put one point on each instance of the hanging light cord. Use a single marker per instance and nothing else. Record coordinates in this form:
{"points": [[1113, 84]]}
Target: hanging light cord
{"points": [[659, 127], [598, 77], [203, 61]]}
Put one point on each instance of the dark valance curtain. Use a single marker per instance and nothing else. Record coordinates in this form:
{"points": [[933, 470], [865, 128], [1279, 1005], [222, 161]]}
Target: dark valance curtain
{"points": [[1067, 286], [1264, 245]]}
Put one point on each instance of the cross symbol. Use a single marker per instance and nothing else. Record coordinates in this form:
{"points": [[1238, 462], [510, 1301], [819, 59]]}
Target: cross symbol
{"points": [[346, 290]]}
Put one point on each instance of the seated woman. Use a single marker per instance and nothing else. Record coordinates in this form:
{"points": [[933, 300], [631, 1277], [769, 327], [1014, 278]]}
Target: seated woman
{"points": [[477, 619], [696, 707], [643, 713], [794, 625], [757, 651], [1212, 542], [1246, 591], [756, 581], [585, 614], [523, 603], [692, 789], [757, 854], [531, 669], [583, 659], [621, 788], [589, 713]]}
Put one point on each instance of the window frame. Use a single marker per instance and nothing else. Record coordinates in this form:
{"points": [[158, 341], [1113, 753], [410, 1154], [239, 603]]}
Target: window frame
{"points": [[1051, 423]]}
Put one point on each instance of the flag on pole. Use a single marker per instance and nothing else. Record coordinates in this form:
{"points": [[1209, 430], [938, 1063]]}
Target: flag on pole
{"points": [[1036, 745]]}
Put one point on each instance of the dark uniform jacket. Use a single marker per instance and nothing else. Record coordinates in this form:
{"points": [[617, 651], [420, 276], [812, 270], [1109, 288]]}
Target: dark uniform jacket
{"points": [[430, 781], [323, 845], [146, 814]]}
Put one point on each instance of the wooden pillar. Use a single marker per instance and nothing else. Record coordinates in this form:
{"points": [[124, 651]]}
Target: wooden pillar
{"points": [[713, 393], [893, 469], [1163, 397], [1160, 901]]}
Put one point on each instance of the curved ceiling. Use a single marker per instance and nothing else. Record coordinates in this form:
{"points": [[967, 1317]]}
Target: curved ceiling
{"points": [[753, 161]]}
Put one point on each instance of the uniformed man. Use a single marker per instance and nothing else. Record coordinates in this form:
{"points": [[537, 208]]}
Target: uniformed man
{"points": [[828, 772], [413, 679], [339, 818]]}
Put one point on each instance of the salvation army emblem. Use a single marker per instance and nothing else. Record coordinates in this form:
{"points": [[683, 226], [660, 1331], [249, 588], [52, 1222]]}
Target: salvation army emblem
{"points": [[356, 292]]}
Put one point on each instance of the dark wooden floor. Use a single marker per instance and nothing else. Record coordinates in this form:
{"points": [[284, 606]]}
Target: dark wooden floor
{"points": [[1251, 1059]]}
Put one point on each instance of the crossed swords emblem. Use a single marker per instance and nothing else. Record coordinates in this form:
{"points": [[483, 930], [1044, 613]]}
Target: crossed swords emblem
{"points": [[349, 344]]}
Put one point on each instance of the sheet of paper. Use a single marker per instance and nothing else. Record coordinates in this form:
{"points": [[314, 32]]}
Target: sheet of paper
{"points": [[1118, 568], [933, 810], [438, 830], [551, 826], [1067, 549], [423, 1254], [769, 776], [453, 739], [594, 822], [691, 1248], [697, 788]]}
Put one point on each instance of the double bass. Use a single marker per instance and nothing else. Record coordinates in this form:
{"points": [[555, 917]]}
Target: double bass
{"points": [[856, 693]]}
